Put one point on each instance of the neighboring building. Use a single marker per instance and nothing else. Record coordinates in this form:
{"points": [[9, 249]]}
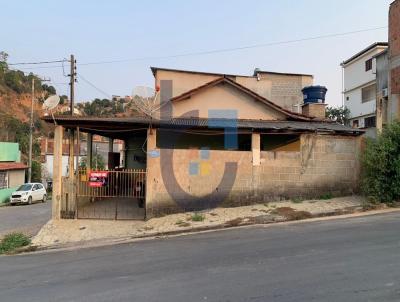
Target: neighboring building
{"points": [[388, 73], [216, 142], [100, 147], [12, 171], [359, 87]]}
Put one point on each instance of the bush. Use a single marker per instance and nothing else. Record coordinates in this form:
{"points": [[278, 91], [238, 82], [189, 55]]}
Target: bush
{"points": [[13, 241], [197, 217], [381, 166]]}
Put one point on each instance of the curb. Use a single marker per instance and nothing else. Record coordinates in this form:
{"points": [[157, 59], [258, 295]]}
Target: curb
{"points": [[199, 230]]}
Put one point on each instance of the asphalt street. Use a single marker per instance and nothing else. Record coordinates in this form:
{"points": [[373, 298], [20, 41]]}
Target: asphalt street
{"points": [[352, 259], [25, 218]]}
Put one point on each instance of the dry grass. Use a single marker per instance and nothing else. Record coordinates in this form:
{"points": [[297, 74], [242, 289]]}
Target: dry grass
{"points": [[291, 214]]}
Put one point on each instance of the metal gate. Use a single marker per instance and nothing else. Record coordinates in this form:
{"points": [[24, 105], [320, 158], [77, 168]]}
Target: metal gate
{"points": [[112, 194]]}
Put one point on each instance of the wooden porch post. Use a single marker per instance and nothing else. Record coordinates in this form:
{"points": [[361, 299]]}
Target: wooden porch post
{"points": [[89, 151], [57, 171], [110, 144]]}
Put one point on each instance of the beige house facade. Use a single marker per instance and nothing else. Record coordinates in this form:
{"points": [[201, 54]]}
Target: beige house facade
{"points": [[217, 141]]}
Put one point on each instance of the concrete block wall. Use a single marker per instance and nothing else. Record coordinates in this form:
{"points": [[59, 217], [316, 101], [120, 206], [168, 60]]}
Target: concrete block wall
{"points": [[324, 164], [286, 89]]}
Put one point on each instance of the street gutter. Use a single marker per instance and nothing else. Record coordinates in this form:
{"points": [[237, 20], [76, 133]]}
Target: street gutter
{"points": [[197, 230]]}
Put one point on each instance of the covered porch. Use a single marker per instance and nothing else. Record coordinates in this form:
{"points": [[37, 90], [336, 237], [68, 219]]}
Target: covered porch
{"points": [[115, 191]]}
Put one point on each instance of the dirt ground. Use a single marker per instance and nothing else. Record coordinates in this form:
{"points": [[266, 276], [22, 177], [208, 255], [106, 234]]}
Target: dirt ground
{"points": [[74, 231]]}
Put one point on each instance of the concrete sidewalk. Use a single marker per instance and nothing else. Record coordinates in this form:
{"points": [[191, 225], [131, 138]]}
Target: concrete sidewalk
{"points": [[64, 232]]}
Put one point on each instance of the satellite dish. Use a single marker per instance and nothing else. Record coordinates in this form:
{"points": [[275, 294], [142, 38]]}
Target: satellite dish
{"points": [[143, 92], [144, 100], [51, 102]]}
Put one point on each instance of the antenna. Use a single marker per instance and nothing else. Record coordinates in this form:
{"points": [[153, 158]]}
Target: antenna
{"points": [[144, 99]]}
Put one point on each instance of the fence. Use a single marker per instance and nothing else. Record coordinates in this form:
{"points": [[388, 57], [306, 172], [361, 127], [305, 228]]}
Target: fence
{"points": [[112, 183], [112, 194]]}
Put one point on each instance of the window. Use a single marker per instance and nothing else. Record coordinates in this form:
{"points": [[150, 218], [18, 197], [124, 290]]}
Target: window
{"points": [[368, 64], [3, 180], [368, 93], [355, 124], [370, 122], [280, 142], [213, 140], [347, 98]]}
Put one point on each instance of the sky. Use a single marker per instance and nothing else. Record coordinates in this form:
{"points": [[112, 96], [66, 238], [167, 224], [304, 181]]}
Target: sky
{"points": [[140, 32]]}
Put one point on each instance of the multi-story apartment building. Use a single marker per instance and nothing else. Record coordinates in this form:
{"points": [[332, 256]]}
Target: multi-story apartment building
{"points": [[359, 87]]}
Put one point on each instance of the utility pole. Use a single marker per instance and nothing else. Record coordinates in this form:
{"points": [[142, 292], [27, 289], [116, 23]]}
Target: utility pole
{"points": [[31, 133], [31, 127], [72, 83], [72, 76]]}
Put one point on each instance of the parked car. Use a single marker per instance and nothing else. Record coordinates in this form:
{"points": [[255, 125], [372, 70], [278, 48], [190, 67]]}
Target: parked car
{"points": [[29, 193]]}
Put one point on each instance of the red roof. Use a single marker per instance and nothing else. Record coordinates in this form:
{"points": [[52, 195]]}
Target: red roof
{"points": [[4, 166]]}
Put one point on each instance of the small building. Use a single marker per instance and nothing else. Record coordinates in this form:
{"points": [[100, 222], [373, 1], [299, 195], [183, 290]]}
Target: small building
{"points": [[214, 142], [359, 87], [12, 171], [388, 72], [101, 147]]}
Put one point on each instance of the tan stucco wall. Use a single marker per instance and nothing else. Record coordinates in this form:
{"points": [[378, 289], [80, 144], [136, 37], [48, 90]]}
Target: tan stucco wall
{"points": [[225, 97], [183, 82], [325, 164], [282, 89], [16, 178]]}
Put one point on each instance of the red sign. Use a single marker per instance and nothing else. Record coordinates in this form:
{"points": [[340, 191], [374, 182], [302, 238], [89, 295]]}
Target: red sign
{"points": [[98, 178]]}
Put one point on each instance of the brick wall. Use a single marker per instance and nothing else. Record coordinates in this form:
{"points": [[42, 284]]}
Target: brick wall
{"points": [[394, 28], [314, 110], [394, 46], [325, 164]]}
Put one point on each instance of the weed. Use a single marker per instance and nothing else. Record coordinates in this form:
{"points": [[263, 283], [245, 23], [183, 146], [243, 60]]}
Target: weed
{"points": [[326, 196], [297, 199], [197, 217], [13, 241]]}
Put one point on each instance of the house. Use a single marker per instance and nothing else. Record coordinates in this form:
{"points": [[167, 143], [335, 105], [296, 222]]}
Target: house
{"points": [[101, 147], [359, 87], [388, 72], [12, 171], [217, 140]]}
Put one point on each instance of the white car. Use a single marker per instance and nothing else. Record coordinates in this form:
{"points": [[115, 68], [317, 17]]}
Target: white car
{"points": [[29, 193]]}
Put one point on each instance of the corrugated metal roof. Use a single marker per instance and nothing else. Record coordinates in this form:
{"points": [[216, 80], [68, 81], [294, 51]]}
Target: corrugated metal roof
{"points": [[106, 123]]}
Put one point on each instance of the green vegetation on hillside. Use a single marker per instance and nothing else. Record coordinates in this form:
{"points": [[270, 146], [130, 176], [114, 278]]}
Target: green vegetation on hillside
{"points": [[102, 107], [15, 89], [18, 82]]}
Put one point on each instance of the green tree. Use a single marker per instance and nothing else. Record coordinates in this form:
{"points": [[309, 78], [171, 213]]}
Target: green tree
{"points": [[36, 171], [381, 166], [97, 161], [3, 61], [338, 114]]}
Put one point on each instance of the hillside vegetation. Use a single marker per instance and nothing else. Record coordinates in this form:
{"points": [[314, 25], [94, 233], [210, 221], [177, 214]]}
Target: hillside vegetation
{"points": [[15, 107]]}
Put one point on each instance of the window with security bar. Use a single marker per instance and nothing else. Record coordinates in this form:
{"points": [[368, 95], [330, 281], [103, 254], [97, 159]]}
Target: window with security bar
{"points": [[3, 180]]}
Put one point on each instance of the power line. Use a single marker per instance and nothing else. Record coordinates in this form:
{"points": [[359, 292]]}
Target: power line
{"points": [[37, 63], [236, 48], [206, 52], [94, 86]]}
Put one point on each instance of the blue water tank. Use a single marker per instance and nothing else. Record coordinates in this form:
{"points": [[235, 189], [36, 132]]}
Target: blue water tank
{"points": [[314, 94]]}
